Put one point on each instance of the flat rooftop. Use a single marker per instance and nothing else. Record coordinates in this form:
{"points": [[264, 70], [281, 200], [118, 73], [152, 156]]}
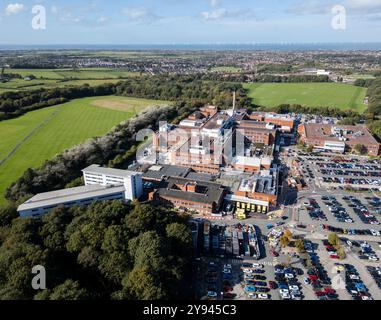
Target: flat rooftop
{"points": [[211, 192], [68, 195], [158, 172], [95, 168], [355, 135], [216, 121]]}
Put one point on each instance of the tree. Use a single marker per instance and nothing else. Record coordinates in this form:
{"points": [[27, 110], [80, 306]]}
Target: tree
{"points": [[141, 283], [310, 149], [360, 149], [333, 239], [284, 241], [69, 290], [7, 214], [299, 244], [288, 234], [341, 253]]}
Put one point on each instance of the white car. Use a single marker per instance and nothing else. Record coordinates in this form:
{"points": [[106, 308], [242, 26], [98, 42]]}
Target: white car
{"points": [[258, 265], [263, 296], [249, 271], [289, 276], [354, 277], [296, 297], [286, 296], [373, 258], [227, 271], [366, 298], [293, 288], [212, 294], [253, 296], [284, 291], [227, 266], [376, 234]]}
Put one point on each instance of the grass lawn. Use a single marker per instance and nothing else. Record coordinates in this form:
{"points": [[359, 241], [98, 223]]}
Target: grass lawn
{"points": [[337, 95], [52, 78], [86, 73], [42, 134], [23, 85]]}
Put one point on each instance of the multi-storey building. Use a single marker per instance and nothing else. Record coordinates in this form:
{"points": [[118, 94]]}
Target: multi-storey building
{"points": [[132, 181]]}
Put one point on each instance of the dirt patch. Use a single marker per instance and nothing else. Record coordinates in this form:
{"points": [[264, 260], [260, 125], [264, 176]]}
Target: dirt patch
{"points": [[114, 105]]}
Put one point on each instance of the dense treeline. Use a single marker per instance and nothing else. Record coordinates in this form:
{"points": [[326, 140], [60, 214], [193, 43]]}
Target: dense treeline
{"points": [[66, 167], [13, 104], [108, 250], [184, 88], [323, 111], [291, 78], [172, 88], [365, 83], [266, 78], [374, 93], [374, 109]]}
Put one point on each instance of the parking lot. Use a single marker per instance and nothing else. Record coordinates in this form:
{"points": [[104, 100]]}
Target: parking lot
{"points": [[341, 211], [340, 172]]}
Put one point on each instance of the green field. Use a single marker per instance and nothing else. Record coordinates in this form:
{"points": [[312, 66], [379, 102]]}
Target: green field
{"points": [[52, 78], [336, 95], [42, 134]]}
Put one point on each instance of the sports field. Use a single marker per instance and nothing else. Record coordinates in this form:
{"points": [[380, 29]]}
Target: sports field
{"points": [[335, 95], [39, 135]]}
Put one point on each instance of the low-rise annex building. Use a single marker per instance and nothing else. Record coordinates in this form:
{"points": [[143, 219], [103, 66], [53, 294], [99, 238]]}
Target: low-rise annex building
{"points": [[100, 184], [42, 203], [338, 138]]}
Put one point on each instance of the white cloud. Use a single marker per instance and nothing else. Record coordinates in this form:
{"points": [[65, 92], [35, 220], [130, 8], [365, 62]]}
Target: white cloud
{"points": [[366, 8], [14, 8], [364, 4], [222, 13], [214, 3], [140, 15], [55, 9], [103, 20], [310, 7]]}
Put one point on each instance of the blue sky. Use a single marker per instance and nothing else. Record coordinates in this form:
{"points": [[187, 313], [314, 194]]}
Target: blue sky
{"points": [[188, 21]]}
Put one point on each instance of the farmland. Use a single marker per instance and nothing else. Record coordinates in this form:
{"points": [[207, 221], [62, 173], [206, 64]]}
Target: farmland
{"points": [[52, 78], [341, 96], [31, 139]]}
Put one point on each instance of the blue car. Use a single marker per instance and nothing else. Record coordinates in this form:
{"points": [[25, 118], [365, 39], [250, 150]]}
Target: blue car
{"points": [[227, 276], [250, 289]]}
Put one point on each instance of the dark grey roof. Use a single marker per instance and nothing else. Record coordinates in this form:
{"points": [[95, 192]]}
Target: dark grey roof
{"points": [[213, 192], [199, 176], [158, 172]]}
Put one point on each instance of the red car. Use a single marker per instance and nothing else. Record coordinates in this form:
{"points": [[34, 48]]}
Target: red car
{"points": [[274, 253], [320, 294], [228, 289], [313, 277], [334, 256], [228, 295], [329, 291], [273, 285]]}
